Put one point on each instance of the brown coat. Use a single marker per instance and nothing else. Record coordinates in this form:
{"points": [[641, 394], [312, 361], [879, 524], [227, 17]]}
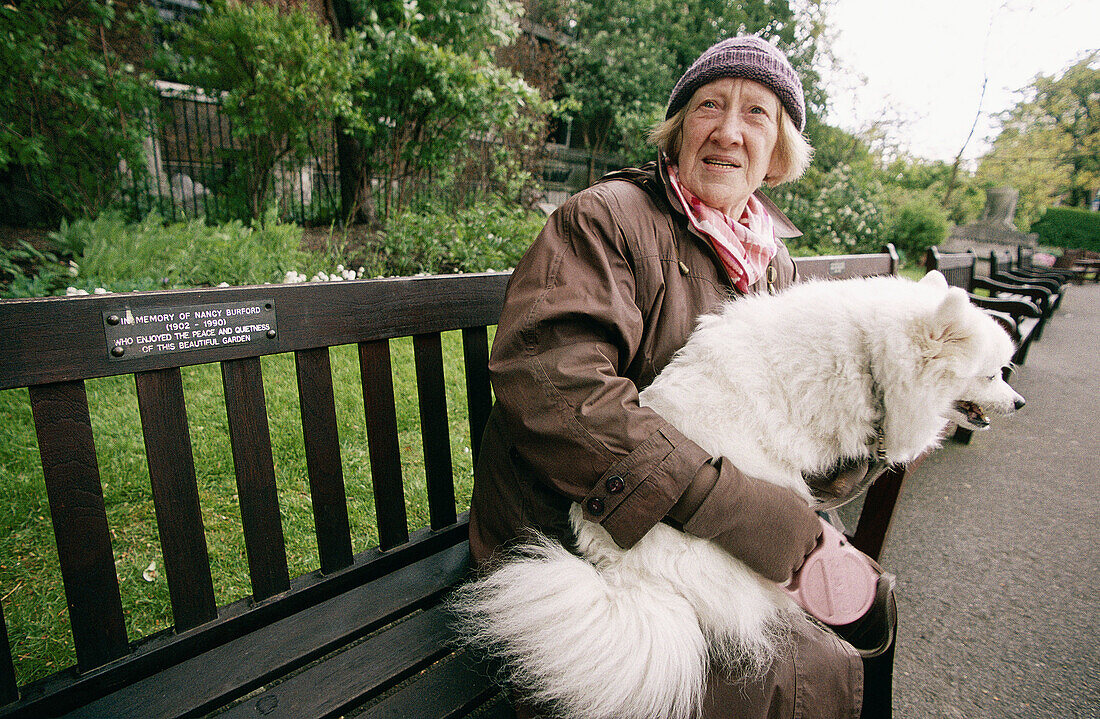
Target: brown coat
{"points": [[605, 296]]}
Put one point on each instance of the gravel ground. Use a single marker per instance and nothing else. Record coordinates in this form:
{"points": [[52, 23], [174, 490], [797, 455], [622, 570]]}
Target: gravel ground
{"points": [[996, 546]]}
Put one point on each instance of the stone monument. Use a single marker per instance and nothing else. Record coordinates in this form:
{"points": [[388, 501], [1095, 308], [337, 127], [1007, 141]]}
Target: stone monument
{"points": [[994, 231]]}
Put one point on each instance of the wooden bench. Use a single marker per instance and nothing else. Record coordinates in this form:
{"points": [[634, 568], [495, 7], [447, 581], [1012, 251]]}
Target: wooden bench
{"points": [[1081, 264], [364, 635], [1025, 263], [1004, 268], [1012, 305]]}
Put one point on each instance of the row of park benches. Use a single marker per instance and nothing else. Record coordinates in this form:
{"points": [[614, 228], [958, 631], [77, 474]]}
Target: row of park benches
{"points": [[364, 635], [1021, 296]]}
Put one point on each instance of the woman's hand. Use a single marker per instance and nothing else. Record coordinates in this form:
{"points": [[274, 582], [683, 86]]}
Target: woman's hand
{"points": [[768, 527]]}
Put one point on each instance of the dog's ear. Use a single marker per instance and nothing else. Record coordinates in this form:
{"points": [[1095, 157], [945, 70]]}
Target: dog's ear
{"points": [[948, 332], [935, 279]]}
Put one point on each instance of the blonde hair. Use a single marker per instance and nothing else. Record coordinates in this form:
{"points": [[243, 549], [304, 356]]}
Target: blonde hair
{"points": [[790, 158]]}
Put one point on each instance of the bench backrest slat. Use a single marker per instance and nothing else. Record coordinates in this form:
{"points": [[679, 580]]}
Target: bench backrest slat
{"points": [[175, 496], [322, 448], [75, 494], [840, 267], [431, 392], [250, 438], [479, 395], [957, 267], [382, 443]]}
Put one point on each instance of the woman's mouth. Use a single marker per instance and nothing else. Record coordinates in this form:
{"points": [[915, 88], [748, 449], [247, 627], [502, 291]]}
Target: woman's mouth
{"points": [[721, 163]]}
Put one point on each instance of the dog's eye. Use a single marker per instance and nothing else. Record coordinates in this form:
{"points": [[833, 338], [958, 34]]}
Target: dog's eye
{"points": [[992, 378]]}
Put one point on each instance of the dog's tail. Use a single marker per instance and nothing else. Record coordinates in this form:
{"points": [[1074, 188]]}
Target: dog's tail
{"points": [[574, 638]]}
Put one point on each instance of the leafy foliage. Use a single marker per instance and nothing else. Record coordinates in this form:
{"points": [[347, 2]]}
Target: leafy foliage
{"points": [[842, 217], [433, 110], [76, 109], [629, 54], [1049, 144], [486, 236], [118, 255], [917, 226], [1069, 227], [281, 75]]}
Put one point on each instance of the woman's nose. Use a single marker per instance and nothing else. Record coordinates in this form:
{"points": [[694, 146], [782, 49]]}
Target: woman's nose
{"points": [[728, 131]]}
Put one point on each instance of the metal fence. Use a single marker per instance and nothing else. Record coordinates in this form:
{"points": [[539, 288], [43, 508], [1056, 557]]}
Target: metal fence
{"points": [[189, 166]]}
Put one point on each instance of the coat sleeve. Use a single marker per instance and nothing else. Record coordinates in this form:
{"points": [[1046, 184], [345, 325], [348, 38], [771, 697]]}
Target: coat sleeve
{"points": [[571, 326]]}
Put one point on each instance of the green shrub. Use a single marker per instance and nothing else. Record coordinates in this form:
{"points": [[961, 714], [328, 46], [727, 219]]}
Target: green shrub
{"points": [[26, 271], [486, 236], [72, 106], [119, 256], [839, 217], [916, 227], [1068, 227], [283, 76]]}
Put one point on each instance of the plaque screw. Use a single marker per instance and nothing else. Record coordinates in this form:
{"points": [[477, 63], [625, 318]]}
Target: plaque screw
{"points": [[118, 350], [271, 334], [113, 319]]}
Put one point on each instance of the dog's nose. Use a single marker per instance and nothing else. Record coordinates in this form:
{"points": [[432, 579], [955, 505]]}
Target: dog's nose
{"points": [[1019, 402]]}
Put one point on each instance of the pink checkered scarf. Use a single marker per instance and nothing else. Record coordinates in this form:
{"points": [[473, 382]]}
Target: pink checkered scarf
{"points": [[745, 246]]}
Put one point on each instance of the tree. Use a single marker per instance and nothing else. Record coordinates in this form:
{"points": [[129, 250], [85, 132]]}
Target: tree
{"points": [[628, 55], [1050, 140], [72, 106], [281, 76], [432, 106]]}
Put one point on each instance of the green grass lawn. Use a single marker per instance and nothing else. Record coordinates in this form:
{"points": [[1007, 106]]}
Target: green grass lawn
{"points": [[30, 583]]}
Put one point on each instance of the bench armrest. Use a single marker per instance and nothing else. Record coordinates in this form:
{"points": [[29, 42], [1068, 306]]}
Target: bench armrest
{"points": [[1046, 282], [1014, 308], [1040, 295]]}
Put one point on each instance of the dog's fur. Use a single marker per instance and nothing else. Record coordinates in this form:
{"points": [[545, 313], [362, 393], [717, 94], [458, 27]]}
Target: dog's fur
{"points": [[786, 386]]}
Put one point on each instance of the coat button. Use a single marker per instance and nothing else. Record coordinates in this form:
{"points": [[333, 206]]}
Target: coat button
{"points": [[615, 484], [595, 506]]}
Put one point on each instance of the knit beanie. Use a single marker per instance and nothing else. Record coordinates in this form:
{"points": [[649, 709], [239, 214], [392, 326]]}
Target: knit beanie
{"points": [[749, 57]]}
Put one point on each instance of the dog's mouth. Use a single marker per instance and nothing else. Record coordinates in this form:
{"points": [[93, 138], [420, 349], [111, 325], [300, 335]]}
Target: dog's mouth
{"points": [[973, 412]]}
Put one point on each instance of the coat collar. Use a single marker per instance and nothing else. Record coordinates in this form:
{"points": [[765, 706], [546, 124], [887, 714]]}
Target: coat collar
{"points": [[784, 228]]}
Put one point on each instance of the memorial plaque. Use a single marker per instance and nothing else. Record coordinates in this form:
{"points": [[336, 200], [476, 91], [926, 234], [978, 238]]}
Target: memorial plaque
{"points": [[163, 330], [836, 267]]}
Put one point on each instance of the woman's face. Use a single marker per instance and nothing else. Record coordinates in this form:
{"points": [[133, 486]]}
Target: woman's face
{"points": [[729, 136]]}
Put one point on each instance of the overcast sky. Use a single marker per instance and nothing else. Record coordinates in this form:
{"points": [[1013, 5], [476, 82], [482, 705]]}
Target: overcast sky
{"points": [[923, 62]]}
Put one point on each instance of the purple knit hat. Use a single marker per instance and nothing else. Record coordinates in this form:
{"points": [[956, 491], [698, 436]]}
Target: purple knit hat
{"points": [[751, 58]]}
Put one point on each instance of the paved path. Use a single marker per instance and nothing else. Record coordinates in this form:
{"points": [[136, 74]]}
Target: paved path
{"points": [[997, 548]]}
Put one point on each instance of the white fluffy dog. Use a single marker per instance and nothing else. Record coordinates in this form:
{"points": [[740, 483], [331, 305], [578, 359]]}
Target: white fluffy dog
{"points": [[786, 386]]}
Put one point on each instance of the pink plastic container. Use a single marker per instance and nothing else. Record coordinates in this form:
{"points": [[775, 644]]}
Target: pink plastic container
{"points": [[837, 582]]}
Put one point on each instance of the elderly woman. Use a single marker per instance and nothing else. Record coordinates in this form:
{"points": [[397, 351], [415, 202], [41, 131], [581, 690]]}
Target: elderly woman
{"points": [[605, 296]]}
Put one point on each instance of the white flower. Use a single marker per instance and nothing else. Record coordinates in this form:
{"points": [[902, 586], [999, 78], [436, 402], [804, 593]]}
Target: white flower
{"points": [[100, 291], [72, 292], [223, 284], [74, 269]]}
